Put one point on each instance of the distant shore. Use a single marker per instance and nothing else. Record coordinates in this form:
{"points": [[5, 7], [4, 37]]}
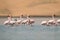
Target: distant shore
{"points": [[30, 16]]}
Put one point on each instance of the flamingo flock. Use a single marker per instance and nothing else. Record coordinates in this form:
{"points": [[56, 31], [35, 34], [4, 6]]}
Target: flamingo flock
{"points": [[21, 20], [53, 21], [29, 21]]}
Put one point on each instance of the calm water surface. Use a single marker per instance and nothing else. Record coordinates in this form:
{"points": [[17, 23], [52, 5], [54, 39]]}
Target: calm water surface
{"points": [[26, 32]]}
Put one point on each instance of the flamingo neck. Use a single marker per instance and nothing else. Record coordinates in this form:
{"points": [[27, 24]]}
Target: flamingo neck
{"points": [[9, 18], [28, 17], [53, 17], [21, 18]]}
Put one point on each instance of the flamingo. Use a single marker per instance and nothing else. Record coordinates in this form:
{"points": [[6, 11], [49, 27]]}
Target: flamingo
{"points": [[44, 23], [58, 21], [12, 22], [52, 21], [28, 21], [49, 22], [6, 22], [19, 20], [9, 21], [25, 21]]}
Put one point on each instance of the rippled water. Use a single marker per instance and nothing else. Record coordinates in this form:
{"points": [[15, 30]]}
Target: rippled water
{"points": [[27, 32]]}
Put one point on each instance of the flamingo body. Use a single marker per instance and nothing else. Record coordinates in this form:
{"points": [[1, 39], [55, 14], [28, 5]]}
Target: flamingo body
{"points": [[58, 21], [44, 23], [12, 22], [6, 22], [24, 21], [19, 21], [51, 22]]}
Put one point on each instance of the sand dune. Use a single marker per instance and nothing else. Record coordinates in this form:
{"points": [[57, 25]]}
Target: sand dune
{"points": [[30, 7]]}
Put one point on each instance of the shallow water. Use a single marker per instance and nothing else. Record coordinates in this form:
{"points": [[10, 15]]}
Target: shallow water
{"points": [[27, 32]]}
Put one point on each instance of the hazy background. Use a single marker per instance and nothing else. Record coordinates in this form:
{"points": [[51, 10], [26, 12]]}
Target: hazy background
{"points": [[30, 7]]}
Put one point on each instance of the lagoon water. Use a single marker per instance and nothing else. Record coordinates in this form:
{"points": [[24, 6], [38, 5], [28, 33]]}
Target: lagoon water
{"points": [[27, 32]]}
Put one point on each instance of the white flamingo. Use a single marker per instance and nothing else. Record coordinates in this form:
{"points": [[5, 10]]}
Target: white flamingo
{"points": [[58, 21], [9, 21], [25, 21], [49, 22], [12, 22], [20, 19], [6, 22], [44, 23], [53, 21], [28, 21]]}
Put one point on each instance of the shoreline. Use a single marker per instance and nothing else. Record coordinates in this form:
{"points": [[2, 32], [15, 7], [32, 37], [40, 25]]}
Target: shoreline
{"points": [[25, 16]]}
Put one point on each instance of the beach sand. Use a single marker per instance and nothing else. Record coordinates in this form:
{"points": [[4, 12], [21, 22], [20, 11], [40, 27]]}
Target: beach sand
{"points": [[30, 7]]}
